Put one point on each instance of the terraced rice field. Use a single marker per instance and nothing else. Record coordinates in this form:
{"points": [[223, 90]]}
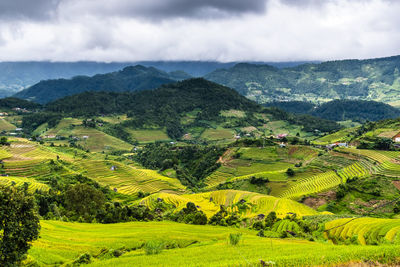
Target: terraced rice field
{"points": [[217, 178], [209, 202], [19, 181], [129, 180], [6, 126], [389, 169], [201, 245], [368, 231], [4, 154], [35, 168], [324, 181], [376, 155]]}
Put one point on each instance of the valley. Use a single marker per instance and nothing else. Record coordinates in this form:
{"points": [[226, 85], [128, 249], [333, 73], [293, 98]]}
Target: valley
{"points": [[151, 183]]}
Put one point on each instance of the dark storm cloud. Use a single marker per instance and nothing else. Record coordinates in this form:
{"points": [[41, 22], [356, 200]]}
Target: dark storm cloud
{"points": [[165, 9], [28, 9]]}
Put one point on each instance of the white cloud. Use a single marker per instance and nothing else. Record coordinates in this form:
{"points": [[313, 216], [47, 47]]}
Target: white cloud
{"points": [[283, 31]]}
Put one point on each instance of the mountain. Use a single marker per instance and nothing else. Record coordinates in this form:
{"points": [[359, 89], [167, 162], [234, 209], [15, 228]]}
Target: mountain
{"points": [[372, 79], [132, 78], [196, 108], [181, 97], [341, 110], [16, 76]]}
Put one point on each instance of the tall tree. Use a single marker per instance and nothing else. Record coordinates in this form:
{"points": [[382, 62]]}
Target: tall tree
{"points": [[19, 224]]}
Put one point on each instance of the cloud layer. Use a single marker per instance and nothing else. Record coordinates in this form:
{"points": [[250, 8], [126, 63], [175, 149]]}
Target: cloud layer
{"points": [[224, 30]]}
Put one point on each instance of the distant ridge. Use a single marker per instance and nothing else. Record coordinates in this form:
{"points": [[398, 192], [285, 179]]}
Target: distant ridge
{"points": [[370, 79], [132, 78]]}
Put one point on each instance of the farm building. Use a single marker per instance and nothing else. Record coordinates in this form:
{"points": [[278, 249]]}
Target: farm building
{"points": [[396, 138]]}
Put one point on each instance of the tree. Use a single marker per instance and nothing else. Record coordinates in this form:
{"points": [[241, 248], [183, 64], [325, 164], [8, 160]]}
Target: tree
{"points": [[4, 141], [19, 224], [290, 172], [84, 199]]}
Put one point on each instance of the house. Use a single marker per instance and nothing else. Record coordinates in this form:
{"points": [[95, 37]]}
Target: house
{"points": [[113, 168], [331, 146], [85, 137], [237, 136], [18, 129], [280, 136], [396, 138], [282, 145]]}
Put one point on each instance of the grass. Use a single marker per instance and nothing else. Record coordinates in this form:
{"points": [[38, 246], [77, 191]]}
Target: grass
{"points": [[145, 136], [210, 202], [97, 140], [324, 181], [19, 181], [218, 134], [6, 126], [62, 243], [372, 231], [129, 180]]}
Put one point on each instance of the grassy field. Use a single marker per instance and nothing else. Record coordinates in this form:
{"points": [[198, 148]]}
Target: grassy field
{"points": [[145, 136], [188, 245], [210, 202], [90, 138], [218, 134], [372, 231], [6, 126], [339, 136], [270, 162], [128, 180]]}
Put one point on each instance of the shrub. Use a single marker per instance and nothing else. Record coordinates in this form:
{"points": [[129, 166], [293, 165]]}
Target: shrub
{"points": [[153, 247], [234, 239], [85, 258]]}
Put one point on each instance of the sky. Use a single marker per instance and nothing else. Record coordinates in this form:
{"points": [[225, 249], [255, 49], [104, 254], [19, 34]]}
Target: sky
{"points": [[216, 30]]}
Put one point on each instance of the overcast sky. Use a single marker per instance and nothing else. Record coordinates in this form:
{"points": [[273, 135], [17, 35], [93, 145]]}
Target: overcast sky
{"points": [[222, 30]]}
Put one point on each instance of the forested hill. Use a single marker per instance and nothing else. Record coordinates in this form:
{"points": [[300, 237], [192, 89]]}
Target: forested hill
{"points": [[165, 102], [189, 103], [133, 78], [341, 110], [372, 79]]}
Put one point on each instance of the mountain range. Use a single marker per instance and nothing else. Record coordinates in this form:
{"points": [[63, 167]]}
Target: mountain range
{"points": [[16, 76], [132, 78], [372, 79]]}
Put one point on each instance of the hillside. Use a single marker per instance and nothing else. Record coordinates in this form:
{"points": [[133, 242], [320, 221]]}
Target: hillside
{"points": [[372, 79], [133, 78], [16, 76], [341, 110], [193, 109]]}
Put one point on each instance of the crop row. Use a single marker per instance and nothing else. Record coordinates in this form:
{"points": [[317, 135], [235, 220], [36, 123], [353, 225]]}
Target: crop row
{"points": [[19, 181], [368, 231], [129, 180], [324, 181], [256, 203]]}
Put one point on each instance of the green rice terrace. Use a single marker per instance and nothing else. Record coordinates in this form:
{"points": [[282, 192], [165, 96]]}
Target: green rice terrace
{"points": [[252, 202]]}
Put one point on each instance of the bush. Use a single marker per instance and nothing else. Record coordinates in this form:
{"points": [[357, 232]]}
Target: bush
{"points": [[85, 258], [153, 247], [234, 239]]}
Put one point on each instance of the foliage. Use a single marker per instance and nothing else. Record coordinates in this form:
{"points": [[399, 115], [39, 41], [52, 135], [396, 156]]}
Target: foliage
{"points": [[345, 79], [132, 78], [84, 199], [153, 247], [192, 163], [19, 224], [341, 110], [234, 239]]}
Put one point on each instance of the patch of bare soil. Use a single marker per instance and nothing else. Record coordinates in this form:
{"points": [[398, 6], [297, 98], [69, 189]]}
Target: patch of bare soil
{"points": [[396, 184], [365, 264], [321, 199]]}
